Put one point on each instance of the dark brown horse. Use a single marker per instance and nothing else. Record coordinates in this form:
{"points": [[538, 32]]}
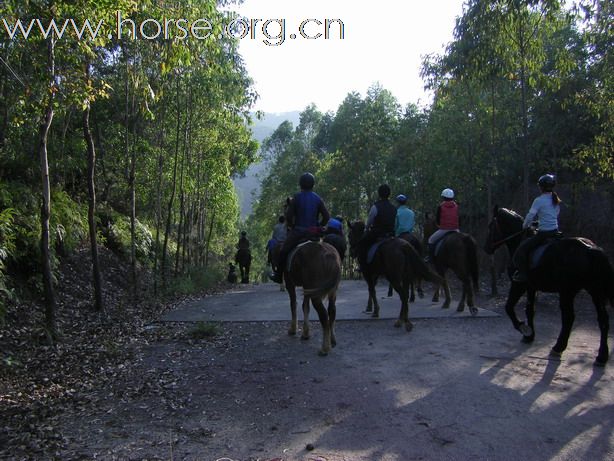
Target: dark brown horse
{"points": [[316, 267], [243, 258], [458, 252], [567, 266], [396, 260], [415, 242]]}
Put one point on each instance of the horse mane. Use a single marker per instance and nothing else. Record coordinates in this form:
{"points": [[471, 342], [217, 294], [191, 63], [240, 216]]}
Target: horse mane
{"points": [[511, 212]]}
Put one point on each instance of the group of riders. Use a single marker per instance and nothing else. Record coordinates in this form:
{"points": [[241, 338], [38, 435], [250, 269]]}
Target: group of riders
{"points": [[310, 219]]}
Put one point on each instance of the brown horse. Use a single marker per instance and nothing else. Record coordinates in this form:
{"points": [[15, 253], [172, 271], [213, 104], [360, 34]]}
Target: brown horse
{"points": [[458, 252], [396, 260], [413, 241], [316, 267]]}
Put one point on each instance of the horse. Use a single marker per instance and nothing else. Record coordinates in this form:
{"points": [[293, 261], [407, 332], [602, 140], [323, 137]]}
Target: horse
{"points": [[273, 249], [459, 252], [243, 258], [567, 266], [396, 260], [413, 241], [316, 267]]}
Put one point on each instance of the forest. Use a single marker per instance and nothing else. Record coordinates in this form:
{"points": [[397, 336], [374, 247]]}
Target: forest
{"points": [[524, 88], [132, 145]]}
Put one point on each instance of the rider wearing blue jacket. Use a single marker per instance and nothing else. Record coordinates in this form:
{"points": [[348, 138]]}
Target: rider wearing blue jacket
{"points": [[305, 209]]}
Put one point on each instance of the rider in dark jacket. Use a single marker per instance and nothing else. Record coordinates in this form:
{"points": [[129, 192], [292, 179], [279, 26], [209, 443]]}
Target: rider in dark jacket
{"points": [[380, 222], [304, 211]]}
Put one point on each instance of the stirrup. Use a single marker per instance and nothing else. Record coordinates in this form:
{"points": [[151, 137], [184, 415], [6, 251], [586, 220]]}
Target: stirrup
{"points": [[519, 277], [275, 277]]}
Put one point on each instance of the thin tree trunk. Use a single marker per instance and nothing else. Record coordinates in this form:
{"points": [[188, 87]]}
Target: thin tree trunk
{"points": [[209, 239], [131, 177], [43, 132], [173, 188], [91, 188]]}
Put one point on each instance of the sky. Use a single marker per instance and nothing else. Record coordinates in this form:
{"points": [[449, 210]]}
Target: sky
{"points": [[384, 41]]}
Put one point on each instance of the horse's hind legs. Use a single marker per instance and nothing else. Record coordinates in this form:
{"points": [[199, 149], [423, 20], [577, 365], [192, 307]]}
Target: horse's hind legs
{"points": [[305, 334], [325, 322], [446, 290], [294, 322], [604, 325], [332, 317], [567, 317]]}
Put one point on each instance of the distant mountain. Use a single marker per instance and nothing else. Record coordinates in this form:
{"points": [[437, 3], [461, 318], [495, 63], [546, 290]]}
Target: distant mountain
{"points": [[248, 186]]}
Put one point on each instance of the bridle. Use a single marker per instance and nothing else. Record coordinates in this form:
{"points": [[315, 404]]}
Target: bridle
{"points": [[498, 243]]}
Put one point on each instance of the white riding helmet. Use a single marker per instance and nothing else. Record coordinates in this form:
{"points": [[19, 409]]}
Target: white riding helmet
{"points": [[447, 193]]}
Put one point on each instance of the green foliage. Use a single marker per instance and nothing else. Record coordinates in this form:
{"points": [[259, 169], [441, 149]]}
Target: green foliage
{"points": [[7, 249]]}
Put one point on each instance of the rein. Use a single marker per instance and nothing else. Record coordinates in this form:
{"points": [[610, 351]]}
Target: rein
{"points": [[498, 243]]}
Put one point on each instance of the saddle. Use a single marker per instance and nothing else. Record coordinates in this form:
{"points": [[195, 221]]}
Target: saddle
{"points": [[373, 248], [442, 239], [536, 255]]}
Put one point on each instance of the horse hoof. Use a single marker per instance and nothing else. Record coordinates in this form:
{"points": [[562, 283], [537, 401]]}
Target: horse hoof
{"points": [[473, 311], [460, 309], [375, 316], [291, 333], [555, 354], [398, 324], [322, 353], [305, 338], [527, 339], [445, 306], [525, 329], [409, 326]]}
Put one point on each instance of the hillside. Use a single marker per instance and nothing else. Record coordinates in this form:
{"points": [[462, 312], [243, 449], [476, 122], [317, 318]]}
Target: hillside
{"points": [[248, 185]]}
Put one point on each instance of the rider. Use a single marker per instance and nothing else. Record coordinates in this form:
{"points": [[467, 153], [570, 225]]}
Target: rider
{"points": [[304, 211], [280, 231], [333, 234], [546, 209], [380, 223], [405, 220], [243, 243], [446, 219]]}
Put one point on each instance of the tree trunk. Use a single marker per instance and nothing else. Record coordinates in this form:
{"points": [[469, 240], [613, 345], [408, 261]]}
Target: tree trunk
{"points": [[171, 200], [43, 132], [91, 188]]}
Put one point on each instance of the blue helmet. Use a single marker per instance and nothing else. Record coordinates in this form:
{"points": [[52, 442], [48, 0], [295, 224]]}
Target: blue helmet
{"points": [[334, 224], [401, 199]]}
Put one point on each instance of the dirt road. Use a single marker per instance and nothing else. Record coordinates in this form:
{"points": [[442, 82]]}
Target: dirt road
{"points": [[452, 389]]}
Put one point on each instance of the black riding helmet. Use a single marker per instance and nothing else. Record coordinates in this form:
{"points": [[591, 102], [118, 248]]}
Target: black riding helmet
{"points": [[383, 191], [307, 181], [547, 182]]}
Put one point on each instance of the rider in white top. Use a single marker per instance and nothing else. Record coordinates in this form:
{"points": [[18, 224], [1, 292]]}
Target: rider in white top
{"points": [[546, 209]]}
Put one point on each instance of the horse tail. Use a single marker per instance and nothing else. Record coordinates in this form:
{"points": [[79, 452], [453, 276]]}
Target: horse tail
{"points": [[471, 248], [331, 271], [415, 262]]}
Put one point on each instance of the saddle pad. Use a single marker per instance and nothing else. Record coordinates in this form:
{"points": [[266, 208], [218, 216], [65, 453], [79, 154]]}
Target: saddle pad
{"points": [[293, 252], [373, 249], [537, 253]]}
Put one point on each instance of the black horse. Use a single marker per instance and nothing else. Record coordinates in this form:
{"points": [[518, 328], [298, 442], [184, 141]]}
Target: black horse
{"points": [[243, 258], [396, 260], [567, 266]]}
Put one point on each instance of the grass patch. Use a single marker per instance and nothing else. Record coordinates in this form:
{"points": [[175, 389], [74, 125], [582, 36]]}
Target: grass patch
{"points": [[204, 330]]}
